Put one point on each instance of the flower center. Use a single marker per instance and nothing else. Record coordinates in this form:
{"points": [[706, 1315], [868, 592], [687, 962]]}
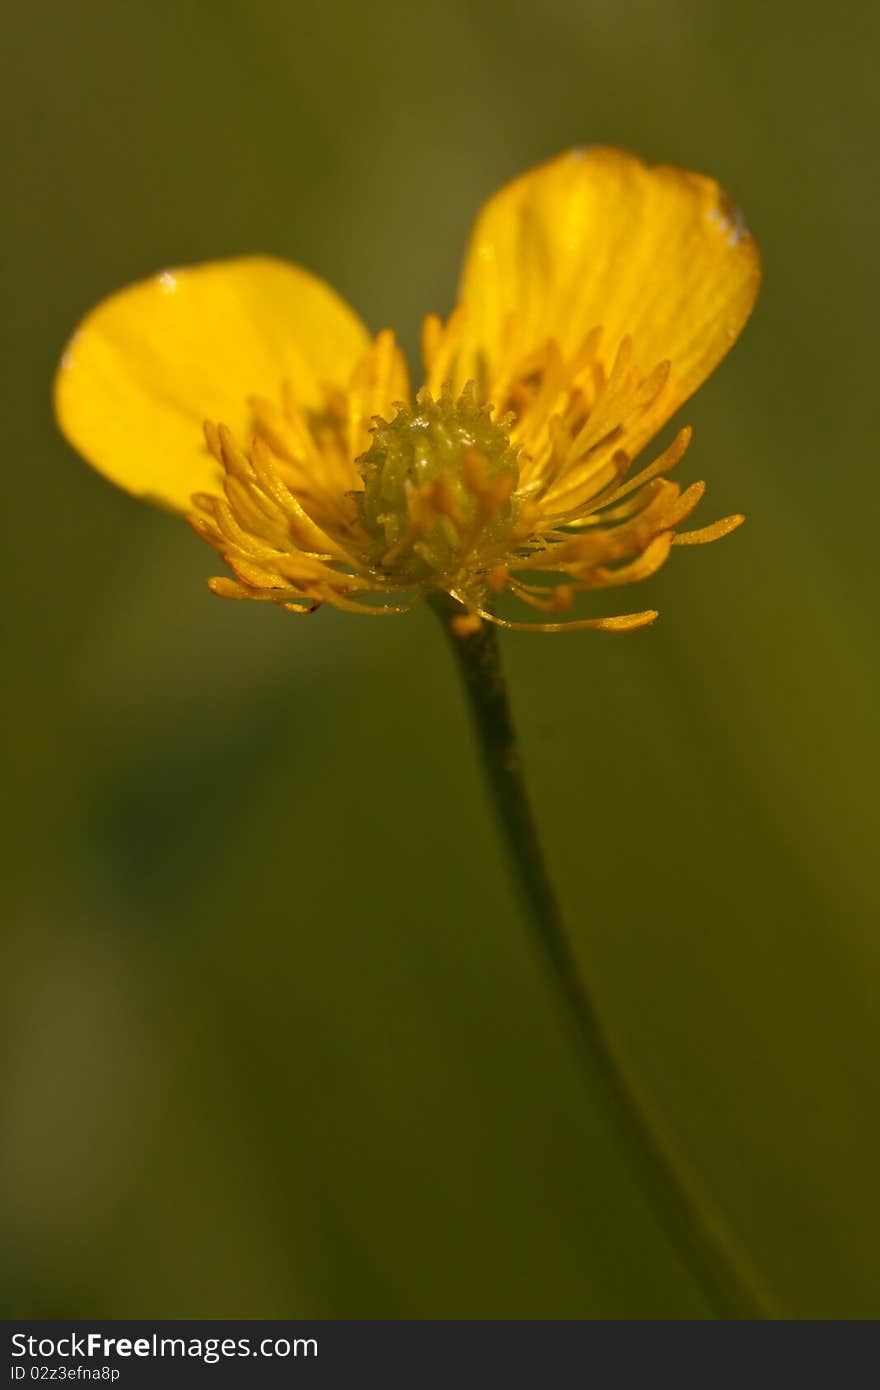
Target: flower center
{"points": [[439, 483]]}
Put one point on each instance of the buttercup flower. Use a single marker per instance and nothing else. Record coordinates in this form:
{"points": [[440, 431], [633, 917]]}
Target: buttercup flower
{"points": [[597, 295]]}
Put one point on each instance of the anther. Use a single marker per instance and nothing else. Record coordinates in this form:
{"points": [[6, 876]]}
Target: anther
{"points": [[497, 578], [466, 624]]}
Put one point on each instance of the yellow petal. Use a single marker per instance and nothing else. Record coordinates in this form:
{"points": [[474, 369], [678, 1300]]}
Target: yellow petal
{"points": [[594, 238], [148, 365]]}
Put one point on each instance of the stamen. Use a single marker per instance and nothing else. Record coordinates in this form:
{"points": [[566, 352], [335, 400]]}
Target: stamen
{"points": [[624, 622], [465, 624], [497, 578], [713, 532], [667, 460], [439, 345]]}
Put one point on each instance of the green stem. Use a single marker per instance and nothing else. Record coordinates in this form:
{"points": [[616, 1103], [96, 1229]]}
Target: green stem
{"points": [[692, 1227]]}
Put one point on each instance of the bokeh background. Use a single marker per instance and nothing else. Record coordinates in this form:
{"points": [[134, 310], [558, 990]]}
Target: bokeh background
{"points": [[274, 1042]]}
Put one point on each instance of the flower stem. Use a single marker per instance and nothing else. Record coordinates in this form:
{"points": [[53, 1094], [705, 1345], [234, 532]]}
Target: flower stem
{"points": [[695, 1231]]}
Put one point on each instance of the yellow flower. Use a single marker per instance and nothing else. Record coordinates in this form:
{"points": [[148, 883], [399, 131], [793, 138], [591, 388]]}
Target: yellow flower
{"points": [[597, 295]]}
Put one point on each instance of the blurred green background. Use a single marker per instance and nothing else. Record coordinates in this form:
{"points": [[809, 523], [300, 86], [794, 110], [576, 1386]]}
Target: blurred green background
{"points": [[274, 1040]]}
